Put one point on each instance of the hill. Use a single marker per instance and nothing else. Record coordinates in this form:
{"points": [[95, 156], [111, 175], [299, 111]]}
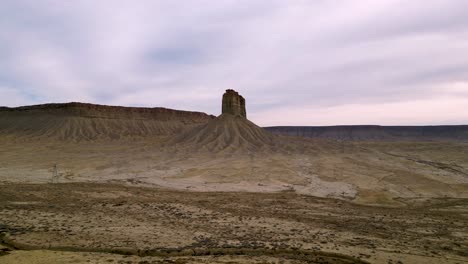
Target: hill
{"points": [[81, 121], [231, 131], [226, 132]]}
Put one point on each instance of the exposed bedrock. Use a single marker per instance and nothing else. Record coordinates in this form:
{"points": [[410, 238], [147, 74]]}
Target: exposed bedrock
{"points": [[233, 103]]}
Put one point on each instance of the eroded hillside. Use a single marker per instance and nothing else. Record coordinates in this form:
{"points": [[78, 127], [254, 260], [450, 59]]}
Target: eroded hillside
{"points": [[81, 122]]}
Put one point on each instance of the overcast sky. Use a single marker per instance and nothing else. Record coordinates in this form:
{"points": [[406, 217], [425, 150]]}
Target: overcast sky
{"points": [[296, 62]]}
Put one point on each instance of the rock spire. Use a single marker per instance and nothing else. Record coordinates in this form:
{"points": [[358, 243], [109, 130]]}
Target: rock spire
{"points": [[233, 103]]}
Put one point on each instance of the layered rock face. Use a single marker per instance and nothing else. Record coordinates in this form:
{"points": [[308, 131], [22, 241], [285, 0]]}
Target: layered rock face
{"points": [[80, 121], [233, 104], [86, 110]]}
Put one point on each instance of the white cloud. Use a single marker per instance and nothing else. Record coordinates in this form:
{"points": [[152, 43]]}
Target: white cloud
{"points": [[281, 55], [435, 111], [453, 89], [13, 97]]}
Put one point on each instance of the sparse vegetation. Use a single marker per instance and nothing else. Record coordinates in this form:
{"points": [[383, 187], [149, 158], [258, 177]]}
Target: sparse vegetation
{"points": [[164, 224]]}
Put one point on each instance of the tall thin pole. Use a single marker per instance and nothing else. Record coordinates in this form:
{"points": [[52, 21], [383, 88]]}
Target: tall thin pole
{"points": [[55, 174]]}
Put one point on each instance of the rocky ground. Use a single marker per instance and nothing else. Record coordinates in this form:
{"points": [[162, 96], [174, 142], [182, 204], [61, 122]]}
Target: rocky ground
{"points": [[95, 222]]}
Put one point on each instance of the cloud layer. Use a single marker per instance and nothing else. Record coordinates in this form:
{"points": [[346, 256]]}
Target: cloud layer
{"points": [[296, 62]]}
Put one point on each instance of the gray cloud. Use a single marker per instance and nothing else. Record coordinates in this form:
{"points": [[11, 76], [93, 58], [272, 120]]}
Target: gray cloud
{"points": [[287, 57]]}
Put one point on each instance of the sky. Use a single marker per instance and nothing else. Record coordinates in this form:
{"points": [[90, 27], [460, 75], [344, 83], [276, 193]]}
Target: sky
{"points": [[297, 62]]}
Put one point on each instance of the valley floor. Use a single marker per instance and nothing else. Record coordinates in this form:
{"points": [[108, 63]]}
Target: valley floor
{"points": [[363, 172], [112, 223]]}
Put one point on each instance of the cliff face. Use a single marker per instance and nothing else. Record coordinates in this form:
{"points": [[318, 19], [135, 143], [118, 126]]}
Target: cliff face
{"points": [[233, 104], [107, 111], [377, 133], [80, 121]]}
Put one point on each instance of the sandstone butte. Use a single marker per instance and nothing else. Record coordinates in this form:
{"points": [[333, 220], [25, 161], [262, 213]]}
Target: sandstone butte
{"points": [[233, 104]]}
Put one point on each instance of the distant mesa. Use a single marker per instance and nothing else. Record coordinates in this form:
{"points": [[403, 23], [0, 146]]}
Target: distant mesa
{"points": [[458, 133], [81, 121], [233, 104]]}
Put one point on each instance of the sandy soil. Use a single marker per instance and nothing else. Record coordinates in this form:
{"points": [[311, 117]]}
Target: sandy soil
{"points": [[105, 223], [153, 200], [61, 257], [368, 173]]}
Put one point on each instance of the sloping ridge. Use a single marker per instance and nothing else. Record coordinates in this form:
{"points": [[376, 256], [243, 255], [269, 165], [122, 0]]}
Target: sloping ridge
{"points": [[81, 121], [377, 133], [226, 133]]}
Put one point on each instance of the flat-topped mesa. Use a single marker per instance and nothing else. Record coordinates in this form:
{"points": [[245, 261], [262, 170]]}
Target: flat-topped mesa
{"points": [[233, 103]]}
